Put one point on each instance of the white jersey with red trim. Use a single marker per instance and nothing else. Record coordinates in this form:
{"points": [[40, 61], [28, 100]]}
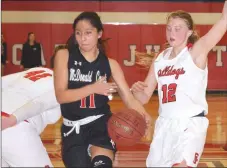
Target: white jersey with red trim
{"points": [[181, 85], [21, 87], [34, 85]]}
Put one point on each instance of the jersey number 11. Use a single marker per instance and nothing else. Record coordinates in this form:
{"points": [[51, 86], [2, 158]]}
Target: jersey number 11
{"points": [[92, 102]]}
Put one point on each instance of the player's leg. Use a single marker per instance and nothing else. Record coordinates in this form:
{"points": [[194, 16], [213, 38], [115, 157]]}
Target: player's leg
{"points": [[102, 148], [76, 156], [75, 148], [22, 147], [169, 141], [101, 157], [155, 156], [193, 142]]}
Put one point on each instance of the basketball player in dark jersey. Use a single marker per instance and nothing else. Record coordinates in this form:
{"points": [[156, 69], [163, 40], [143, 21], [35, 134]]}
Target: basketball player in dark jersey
{"points": [[81, 75]]}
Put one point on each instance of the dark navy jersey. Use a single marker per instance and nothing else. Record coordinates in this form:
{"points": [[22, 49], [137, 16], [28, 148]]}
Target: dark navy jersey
{"points": [[82, 73]]}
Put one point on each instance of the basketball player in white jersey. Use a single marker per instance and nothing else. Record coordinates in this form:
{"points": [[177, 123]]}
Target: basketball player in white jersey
{"points": [[181, 74], [28, 100]]}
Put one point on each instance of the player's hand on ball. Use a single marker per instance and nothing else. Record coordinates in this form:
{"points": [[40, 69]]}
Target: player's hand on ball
{"points": [[138, 87], [103, 88], [8, 122]]}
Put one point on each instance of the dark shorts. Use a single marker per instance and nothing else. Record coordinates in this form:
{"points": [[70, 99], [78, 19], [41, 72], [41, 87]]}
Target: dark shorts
{"points": [[200, 114], [75, 146]]}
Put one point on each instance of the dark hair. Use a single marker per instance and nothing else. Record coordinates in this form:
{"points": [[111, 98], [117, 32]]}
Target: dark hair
{"points": [[60, 47], [29, 35], [71, 41], [96, 22]]}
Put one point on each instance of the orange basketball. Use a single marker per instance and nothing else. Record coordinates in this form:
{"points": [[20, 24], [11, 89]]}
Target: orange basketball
{"points": [[126, 127]]}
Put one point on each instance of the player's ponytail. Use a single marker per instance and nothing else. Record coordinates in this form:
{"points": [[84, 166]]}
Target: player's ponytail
{"points": [[71, 41], [194, 37], [102, 43]]}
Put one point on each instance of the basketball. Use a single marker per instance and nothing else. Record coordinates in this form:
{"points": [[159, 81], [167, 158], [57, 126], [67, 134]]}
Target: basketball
{"points": [[126, 127]]}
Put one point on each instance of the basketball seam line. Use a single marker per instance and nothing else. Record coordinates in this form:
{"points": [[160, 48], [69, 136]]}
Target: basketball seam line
{"points": [[129, 124], [120, 135]]}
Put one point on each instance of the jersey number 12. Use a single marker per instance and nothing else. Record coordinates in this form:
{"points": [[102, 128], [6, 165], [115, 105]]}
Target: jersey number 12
{"points": [[169, 93]]}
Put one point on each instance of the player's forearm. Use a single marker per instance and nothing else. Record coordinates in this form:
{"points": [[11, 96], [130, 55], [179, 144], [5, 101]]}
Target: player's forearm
{"points": [[36, 106], [134, 104], [28, 110], [72, 95], [141, 97]]}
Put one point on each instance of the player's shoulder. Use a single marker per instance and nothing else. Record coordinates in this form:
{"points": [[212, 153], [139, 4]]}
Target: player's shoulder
{"points": [[61, 54], [113, 62], [114, 66]]}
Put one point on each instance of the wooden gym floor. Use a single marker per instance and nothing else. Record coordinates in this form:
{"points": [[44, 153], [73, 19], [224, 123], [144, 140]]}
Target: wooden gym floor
{"points": [[214, 155]]}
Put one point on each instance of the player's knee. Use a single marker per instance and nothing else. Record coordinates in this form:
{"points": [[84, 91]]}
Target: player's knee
{"points": [[101, 161]]}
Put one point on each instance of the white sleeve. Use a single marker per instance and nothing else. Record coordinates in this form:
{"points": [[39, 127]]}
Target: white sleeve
{"points": [[36, 106], [8, 79], [52, 116]]}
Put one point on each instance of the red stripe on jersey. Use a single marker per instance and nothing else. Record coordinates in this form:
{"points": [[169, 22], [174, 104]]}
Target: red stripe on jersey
{"points": [[3, 114], [189, 45], [176, 164]]}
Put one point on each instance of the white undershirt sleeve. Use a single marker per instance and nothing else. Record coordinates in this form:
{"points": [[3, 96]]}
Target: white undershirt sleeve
{"points": [[36, 106]]}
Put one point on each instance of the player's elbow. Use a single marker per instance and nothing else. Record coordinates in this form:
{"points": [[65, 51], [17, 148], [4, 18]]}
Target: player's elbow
{"points": [[65, 97], [60, 100], [60, 97]]}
